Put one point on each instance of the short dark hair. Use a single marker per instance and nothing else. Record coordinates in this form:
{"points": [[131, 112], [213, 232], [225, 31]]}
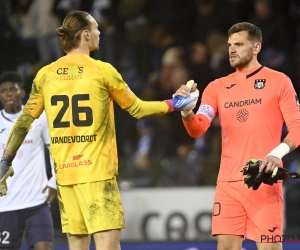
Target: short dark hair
{"points": [[12, 76], [254, 33]]}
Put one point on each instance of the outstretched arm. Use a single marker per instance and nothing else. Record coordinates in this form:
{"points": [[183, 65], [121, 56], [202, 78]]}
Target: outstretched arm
{"points": [[17, 136], [14, 141], [183, 100]]}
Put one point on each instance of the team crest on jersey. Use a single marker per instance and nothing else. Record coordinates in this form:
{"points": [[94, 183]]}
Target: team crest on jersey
{"points": [[259, 83], [297, 100]]}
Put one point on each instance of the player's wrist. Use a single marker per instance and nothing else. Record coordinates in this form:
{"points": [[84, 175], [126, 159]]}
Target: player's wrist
{"points": [[170, 105], [7, 158], [178, 103], [5, 161], [4, 167], [281, 150], [185, 113]]}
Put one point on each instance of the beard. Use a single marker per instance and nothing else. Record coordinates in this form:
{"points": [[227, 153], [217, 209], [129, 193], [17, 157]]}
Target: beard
{"points": [[241, 62]]}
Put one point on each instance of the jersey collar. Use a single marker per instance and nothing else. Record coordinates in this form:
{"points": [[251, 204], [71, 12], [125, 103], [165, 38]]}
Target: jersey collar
{"points": [[250, 72], [11, 117]]}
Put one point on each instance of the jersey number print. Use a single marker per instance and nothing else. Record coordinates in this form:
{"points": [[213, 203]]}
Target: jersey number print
{"points": [[76, 111]]}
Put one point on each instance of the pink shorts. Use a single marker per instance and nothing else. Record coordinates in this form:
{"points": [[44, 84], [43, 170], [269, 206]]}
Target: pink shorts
{"points": [[253, 214]]}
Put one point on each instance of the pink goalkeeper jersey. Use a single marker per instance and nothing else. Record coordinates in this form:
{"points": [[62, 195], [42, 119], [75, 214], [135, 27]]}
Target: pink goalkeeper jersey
{"points": [[252, 106]]}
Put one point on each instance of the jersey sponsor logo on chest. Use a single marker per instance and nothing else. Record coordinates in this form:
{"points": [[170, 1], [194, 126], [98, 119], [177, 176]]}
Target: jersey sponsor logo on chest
{"points": [[259, 83], [243, 114], [72, 73], [242, 103]]}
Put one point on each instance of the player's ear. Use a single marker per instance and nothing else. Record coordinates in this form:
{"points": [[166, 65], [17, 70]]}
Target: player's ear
{"points": [[257, 48], [86, 34]]}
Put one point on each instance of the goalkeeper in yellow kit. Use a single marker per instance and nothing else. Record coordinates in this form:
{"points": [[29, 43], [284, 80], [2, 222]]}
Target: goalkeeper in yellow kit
{"points": [[77, 94]]}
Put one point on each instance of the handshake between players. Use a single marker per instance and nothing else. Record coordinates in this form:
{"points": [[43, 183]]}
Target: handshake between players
{"points": [[184, 100]]}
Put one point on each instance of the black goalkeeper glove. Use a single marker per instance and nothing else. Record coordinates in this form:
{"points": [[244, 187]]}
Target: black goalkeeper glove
{"points": [[254, 178]]}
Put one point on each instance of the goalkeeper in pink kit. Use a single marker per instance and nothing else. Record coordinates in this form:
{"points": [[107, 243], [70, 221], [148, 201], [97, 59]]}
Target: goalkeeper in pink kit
{"points": [[252, 104]]}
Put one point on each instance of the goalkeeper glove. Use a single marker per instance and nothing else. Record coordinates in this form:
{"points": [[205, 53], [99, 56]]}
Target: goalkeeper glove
{"points": [[250, 181], [251, 170], [6, 170], [179, 103], [254, 178], [281, 174], [189, 108]]}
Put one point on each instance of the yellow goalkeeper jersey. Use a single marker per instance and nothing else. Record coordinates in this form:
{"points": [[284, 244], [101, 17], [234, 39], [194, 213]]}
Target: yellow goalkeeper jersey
{"points": [[77, 93]]}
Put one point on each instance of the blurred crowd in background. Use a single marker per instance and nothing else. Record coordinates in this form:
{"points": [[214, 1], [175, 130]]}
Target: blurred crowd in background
{"points": [[157, 45]]}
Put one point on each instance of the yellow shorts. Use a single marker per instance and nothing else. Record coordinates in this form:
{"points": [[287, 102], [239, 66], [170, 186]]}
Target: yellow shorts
{"points": [[90, 207], [254, 214]]}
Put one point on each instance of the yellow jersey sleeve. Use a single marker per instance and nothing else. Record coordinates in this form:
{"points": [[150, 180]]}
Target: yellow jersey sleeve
{"points": [[117, 88], [35, 105], [77, 94], [127, 100]]}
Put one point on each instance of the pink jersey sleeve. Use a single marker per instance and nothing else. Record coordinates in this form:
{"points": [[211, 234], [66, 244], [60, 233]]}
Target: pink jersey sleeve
{"points": [[290, 107], [198, 126], [205, 114]]}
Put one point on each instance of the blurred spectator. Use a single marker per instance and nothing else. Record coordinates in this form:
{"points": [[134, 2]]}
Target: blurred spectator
{"points": [[216, 43], [40, 24], [274, 59], [236, 10], [38, 36], [27, 54], [272, 24], [61, 8], [179, 76], [277, 46], [106, 15], [209, 18], [8, 37], [295, 13], [198, 65], [173, 59], [182, 170], [145, 164], [136, 28], [173, 74], [130, 73], [175, 16], [161, 39], [210, 153]]}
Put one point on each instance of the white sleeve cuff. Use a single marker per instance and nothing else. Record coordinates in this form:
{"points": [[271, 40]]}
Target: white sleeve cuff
{"points": [[281, 150], [52, 182]]}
